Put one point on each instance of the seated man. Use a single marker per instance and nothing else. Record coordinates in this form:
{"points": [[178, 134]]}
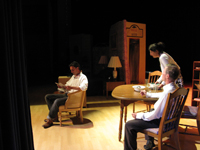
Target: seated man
{"points": [[150, 119], [77, 82]]}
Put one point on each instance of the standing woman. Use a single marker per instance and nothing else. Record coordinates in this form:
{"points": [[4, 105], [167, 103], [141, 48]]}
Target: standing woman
{"points": [[157, 51]]}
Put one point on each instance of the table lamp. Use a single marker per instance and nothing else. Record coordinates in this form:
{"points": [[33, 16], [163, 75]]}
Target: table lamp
{"points": [[103, 61], [114, 63]]}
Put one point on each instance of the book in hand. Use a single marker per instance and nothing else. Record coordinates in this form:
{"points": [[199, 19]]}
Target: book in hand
{"points": [[60, 87]]}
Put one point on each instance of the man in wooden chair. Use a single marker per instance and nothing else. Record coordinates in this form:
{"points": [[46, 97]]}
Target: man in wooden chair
{"points": [[76, 83], [151, 119]]}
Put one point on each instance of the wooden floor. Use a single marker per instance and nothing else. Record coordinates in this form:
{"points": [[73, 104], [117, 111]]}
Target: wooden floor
{"points": [[98, 132]]}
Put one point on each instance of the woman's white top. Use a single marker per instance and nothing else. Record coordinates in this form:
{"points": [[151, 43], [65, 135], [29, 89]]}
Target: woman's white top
{"points": [[164, 60]]}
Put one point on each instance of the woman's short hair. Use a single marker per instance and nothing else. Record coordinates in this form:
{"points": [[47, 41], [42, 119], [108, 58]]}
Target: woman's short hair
{"points": [[160, 46]]}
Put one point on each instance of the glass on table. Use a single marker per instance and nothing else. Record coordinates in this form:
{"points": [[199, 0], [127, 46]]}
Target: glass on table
{"points": [[152, 87], [148, 87]]}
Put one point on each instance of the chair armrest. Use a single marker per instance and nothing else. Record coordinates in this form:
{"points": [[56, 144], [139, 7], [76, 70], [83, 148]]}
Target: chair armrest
{"points": [[69, 94], [189, 112], [197, 99]]}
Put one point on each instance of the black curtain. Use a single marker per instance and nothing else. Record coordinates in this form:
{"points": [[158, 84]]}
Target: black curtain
{"points": [[15, 121]]}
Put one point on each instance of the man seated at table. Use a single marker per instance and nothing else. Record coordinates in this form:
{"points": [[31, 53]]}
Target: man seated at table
{"points": [[150, 119], [77, 82]]}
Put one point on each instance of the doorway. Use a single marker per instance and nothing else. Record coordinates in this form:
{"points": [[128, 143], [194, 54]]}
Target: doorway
{"points": [[134, 60]]}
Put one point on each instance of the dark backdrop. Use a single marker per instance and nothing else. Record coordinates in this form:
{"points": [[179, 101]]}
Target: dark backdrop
{"points": [[48, 24], [35, 32]]}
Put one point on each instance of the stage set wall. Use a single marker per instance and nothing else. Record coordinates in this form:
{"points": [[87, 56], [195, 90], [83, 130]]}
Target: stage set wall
{"points": [[128, 41]]}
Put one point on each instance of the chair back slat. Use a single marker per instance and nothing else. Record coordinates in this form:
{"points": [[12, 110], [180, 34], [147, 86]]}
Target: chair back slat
{"points": [[173, 109], [153, 76], [170, 118]]}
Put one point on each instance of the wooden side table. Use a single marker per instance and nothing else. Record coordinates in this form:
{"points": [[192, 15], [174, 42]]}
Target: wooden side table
{"points": [[110, 85]]}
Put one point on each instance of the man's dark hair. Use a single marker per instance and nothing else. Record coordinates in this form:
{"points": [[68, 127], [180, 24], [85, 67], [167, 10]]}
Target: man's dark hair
{"points": [[75, 64], [173, 71]]}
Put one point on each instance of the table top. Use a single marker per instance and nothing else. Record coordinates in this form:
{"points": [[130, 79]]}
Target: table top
{"points": [[127, 92]]}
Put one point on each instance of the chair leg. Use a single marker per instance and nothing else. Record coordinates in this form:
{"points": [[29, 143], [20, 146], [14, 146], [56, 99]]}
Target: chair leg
{"points": [[60, 116], [198, 118], [198, 126], [148, 106], [81, 116], [176, 140], [159, 143]]}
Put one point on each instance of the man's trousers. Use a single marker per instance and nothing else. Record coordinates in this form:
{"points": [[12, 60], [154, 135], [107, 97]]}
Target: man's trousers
{"points": [[134, 126], [54, 101]]}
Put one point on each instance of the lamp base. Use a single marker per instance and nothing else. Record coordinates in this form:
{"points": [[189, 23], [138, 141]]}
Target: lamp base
{"points": [[114, 74]]}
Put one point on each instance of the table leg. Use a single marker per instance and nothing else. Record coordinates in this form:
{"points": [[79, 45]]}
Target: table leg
{"points": [[120, 122], [107, 94], [133, 107], [125, 113]]}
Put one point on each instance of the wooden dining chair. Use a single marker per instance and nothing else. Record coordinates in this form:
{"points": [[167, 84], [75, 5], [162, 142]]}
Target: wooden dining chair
{"points": [[73, 103], [153, 77], [192, 112], [170, 119]]}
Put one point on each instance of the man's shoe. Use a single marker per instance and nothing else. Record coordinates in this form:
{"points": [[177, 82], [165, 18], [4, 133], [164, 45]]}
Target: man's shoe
{"points": [[48, 124], [149, 145], [54, 120]]}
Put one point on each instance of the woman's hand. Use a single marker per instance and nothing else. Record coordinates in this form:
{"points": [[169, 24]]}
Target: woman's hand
{"points": [[160, 86]]}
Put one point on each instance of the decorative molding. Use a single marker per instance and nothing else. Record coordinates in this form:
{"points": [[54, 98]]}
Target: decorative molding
{"points": [[134, 31]]}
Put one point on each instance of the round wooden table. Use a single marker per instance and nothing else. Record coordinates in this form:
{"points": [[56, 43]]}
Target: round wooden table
{"points": [[127, 95]]}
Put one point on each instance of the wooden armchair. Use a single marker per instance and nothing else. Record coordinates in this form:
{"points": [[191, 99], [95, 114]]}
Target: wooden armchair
{"points": [[170, 118], [73, 103], [63, 80], [192, 112]]}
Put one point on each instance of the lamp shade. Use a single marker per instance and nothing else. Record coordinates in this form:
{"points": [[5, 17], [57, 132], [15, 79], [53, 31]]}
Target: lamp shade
{"points": [[103, 60], [114, 62]]}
